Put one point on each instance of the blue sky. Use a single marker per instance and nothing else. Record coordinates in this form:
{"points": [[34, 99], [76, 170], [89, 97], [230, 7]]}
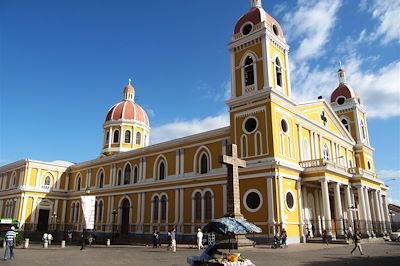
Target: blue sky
{"points": [[64, 63]]}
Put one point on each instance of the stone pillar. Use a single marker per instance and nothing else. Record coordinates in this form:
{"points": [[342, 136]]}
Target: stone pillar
{"points": [[377, 210], [382, 213], [386, 211], [271, 205], [368, 212], [362, 212], [338, 211], [318, 213], [348, 204], [326, 206]]}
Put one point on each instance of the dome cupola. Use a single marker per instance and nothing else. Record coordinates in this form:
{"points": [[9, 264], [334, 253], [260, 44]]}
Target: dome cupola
{"points": [[126, 126], [343, 92]]}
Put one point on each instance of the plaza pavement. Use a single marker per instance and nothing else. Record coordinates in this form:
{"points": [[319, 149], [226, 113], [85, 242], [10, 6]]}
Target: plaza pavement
{"points": [[377, 253]]}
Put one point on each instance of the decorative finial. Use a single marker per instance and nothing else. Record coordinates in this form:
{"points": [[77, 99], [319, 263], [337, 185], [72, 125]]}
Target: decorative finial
{"points": [[129, 81], [341, 73], [256, 3]]}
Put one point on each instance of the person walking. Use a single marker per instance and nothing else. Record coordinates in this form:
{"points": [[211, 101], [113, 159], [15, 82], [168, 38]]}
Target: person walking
{"points": [[169, 240], [155, 239], [173, 240], [199, 239], [357, 243], [70, 238], [10, 238]]}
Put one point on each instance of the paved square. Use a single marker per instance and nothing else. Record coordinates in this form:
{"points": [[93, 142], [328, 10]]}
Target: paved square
{"points": [[377, 253]]}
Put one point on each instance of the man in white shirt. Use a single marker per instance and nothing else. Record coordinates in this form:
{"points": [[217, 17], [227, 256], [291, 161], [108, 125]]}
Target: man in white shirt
{"points": [[199, 239], [10, 238]]}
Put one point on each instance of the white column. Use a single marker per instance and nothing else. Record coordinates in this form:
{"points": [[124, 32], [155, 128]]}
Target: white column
{"points": [[16, 209], [318, 214], [386, 212], [24, 203], [271, 204], [326, 206], [281, 202], [177, 201], [177, 162], [377, 209], [301, 210], [338, 210], [34, 209], [368, 211], [306, 217], [361, 210], [348, 204], [381, 211], [181, 207]]}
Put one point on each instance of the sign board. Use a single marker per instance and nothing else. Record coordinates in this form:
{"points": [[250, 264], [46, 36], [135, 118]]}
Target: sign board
{"points": [[6, 221], [88, 206]]}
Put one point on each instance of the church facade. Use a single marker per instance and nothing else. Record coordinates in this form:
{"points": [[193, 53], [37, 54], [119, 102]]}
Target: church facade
{"points": [[309, 166]]}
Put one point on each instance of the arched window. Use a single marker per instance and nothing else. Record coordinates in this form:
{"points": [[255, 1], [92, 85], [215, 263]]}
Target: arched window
{"points": [[119, 177], [138, 138], [203, 164], [163, 207], [128, 136], [13, 180], [107, 137], [278, 72], [135, 174], [207, 206], [76, 212], [345, 123], [197, 206], [116, 136], [127, 174], [101, 180], [161, 171], [101, 207], [47, 181], [325, 152], [155, 208], [248, 71], [73, 212], [78, 183]]}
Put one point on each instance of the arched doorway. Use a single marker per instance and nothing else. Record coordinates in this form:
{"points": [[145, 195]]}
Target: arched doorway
{"points": [[125, 216]]}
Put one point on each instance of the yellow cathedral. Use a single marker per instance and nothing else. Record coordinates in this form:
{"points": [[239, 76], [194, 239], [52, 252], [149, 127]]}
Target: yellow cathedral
{"points": [[310, 165]]}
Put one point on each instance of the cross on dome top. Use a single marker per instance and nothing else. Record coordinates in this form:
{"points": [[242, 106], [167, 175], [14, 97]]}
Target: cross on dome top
{"points": [[256, 3]]}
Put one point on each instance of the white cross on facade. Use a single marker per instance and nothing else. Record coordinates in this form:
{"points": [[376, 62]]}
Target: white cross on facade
{"points": [[233, 198]]}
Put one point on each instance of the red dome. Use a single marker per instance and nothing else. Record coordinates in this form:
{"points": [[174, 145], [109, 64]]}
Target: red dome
{"points": [[344, 90], [255, 16], [127, 110]]}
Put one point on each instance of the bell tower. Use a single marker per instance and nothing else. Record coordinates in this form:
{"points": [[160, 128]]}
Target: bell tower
{"points": [[347, 105], [259, 74]]}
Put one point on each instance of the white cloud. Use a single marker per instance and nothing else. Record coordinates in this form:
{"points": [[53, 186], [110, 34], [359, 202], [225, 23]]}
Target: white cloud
{"points": [[394, 201], [389, 174], [312, 22], [179, 129], [387, 12]]}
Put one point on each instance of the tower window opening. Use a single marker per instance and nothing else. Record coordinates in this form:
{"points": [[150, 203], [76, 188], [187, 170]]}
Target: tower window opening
{"points": [[247, 29], [275, 30], [203, 164], [278, 72], [116, 136], [249, 71], [128, 136], [127, 175], [107, 137], [138, 138], [161, 171], [346, 124]]}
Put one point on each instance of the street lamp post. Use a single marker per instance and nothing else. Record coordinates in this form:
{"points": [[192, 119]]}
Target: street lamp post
{"points": [[87, 191], [114, 213], [391, 214]]}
